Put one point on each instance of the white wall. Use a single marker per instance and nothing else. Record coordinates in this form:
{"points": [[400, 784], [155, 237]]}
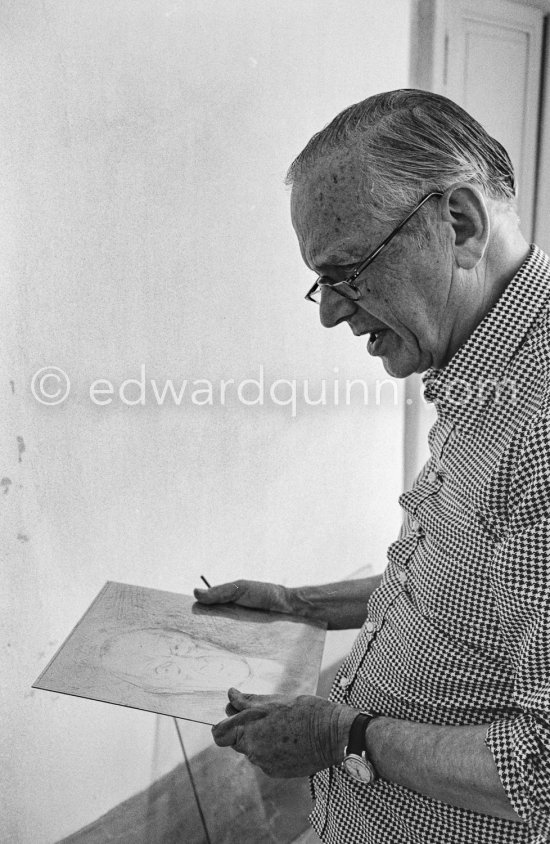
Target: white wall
{"points": [[542, 200], [144, 221]]}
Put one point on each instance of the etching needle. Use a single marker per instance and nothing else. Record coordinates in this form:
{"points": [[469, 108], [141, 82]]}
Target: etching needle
{"points": [[204, 580]]}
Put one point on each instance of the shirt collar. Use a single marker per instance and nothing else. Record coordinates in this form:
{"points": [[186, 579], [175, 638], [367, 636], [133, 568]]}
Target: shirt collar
{"points": [[485, 356]]}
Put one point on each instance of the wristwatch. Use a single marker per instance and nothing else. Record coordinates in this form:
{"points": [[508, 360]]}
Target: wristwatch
{"points": [[356, 763]]}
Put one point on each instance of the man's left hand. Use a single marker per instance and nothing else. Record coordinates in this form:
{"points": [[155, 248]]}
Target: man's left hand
{"points": [[284, 736]]}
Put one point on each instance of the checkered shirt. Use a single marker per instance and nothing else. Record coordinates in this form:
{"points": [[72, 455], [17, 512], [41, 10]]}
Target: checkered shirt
{"points": [[458, 632]]}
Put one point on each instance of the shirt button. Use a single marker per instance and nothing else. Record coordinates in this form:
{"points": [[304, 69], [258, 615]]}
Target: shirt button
{"points": [[415, 525], [402, 577], [344, 682], [370, 626], [432, 477]]}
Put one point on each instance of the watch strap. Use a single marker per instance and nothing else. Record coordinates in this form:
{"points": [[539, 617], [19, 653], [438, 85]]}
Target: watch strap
{"points": [[357, 742]]}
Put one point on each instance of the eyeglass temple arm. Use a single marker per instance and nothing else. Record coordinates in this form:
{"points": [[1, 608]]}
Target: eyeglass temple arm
{"points": [[396, 231]]}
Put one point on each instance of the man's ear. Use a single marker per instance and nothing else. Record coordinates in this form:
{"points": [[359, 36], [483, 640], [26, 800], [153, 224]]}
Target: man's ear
{"points": [[465, 208]]}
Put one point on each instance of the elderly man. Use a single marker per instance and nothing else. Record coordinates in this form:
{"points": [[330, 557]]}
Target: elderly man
{"points": [[437, 728]]}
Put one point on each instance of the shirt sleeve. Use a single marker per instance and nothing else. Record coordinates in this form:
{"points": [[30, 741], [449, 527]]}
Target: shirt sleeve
{"points": [[520, 744]]}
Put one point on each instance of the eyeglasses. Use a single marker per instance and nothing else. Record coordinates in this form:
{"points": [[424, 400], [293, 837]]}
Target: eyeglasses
{"points": [[347, 287]]}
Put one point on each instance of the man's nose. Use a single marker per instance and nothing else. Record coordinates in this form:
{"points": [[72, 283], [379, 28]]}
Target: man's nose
{"points": [[334, 309]]}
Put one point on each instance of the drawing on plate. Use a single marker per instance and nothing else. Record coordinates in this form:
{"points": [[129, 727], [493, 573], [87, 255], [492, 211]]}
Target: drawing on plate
{"points": [[162, 652], [169, 661]]}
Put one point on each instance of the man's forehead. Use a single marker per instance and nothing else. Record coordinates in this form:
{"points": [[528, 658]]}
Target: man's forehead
{"points": [[330, 177], [330, 207]]}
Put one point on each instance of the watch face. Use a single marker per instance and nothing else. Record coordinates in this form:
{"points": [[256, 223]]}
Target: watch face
{"points": [[358, 768]]}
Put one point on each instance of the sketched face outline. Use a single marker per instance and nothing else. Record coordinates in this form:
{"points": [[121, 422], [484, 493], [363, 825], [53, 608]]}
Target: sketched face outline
{"points": [[169, 661]]}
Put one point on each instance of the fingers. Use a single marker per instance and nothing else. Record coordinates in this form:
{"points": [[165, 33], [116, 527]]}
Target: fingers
{"points": [[240, 700], [223, 594], [228, 733], [247, 593]]}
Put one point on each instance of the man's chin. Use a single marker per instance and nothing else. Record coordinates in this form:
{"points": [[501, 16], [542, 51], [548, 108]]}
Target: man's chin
{"points": [[399, 369], [404, 361]]}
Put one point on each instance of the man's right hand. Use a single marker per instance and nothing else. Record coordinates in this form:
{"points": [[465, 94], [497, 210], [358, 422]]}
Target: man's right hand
{"points": [[248, 593], [341, 605]]}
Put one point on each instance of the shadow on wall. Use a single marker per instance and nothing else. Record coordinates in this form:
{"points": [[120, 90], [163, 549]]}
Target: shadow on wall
{"points": [[239, 802]]}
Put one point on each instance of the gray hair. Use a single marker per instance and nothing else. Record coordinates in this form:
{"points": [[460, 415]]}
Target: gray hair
{"points": [[411, 142]]}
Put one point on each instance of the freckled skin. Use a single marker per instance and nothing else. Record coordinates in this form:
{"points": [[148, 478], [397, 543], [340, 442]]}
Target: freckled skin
{"points": [[421, 294]]}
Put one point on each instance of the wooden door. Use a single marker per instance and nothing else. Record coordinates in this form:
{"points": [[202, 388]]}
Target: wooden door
{"points": [[485, 55]]}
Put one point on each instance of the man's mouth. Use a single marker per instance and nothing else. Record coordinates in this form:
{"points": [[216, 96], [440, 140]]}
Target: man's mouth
{"points": [[375, 335], [376, 339]]}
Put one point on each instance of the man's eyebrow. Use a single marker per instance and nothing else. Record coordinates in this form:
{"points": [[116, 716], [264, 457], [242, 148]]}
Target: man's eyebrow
{"points": [[334, 258], [338, 259]]}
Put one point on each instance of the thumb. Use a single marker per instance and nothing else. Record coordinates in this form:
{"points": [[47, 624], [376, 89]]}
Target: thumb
{"points": [[240, 700]]}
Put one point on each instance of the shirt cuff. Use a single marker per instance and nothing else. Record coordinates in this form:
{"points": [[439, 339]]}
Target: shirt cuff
{"points": [[521, 750]]}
